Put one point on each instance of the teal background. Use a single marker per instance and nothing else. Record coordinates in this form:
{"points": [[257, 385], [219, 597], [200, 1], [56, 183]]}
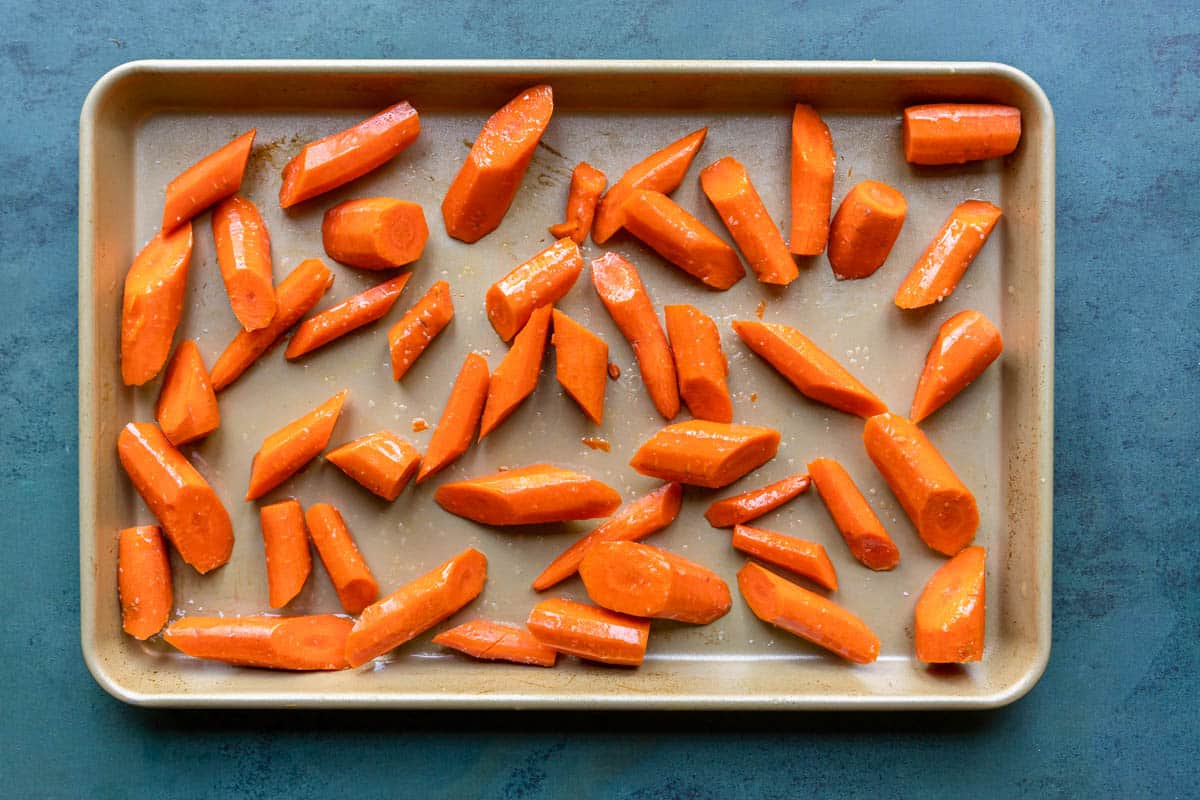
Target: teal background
{"points": [[1114, 714]]}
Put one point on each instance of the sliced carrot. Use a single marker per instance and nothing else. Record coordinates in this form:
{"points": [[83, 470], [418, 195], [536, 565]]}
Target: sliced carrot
{"points": [[727, 185], [955, 133], [952, 611], [806, 559], [813, 165], [941, 508], [349, 315], [456, 429], [865, 227], [864, 533], [381, 462], [288, 449], [187, 405], [746, 506], [305, 643], [212, 178], [580, 364], [153, 304], [488, 181], [143, 581], [419, 326], [596, 634], [528, 495], [703, 453], [964, 347], [351, 577], [587, 184], [285, 543], [682, 239], [937, 272], [700, 362], [645, 581], [188, 509], [497, 641], [541, 281], [375, 232], [516, 376], [341, 157], [244, 255]]}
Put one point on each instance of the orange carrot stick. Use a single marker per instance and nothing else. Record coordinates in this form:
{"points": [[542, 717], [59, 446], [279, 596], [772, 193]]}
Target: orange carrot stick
{"points": [[488, 181], [810, 616], [244, 255], [349, 315], [864, 229], [381, 462], [955, 133], [288, 449], [728, 187], [497, 641], [621, 290], [746, 506], [700, 362], [143, 581], [580, 364], [188, 509], [541, 281], [596, 634], [417, 606], [813, 165], [153, 304], [341, 157], [682, 239], [939, 269], [212, 178], [419, 326], [806, 559], [941, 508], [952, 611], [375, 232], [702, 453], [810, 369], [528, 495], [587, 184], [644, 581], [306, 643], [456, 429], [187, 405], [517, 374], [285, 543], [862, 530], [351, 577], [965, 345]]}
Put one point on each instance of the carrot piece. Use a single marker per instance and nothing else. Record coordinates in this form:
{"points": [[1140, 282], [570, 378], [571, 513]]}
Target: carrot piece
{"points": [[682, 239], [865, 227], [304, 643], [746, 506], [153, 304], [244, 255], [516, 376], [349, 315], [813, 165], [813, 372], [703, 453], [417, 606], [952, 611], [288, 449], [341, 157], [188, 509], [645, 581], [294, 296], [727, 185], [596, 634], [143, 581], [497, 641], [955, 133], [621, 290], [939, 269], [381, 462], [528, 495], [488, 181], [419, 326], [580, 364], [187, 405], [375, 232], [941, 508], [806, 559], [587, 184], [456, 429], [700, 362], [212, 178], [349, 573], [541, 281], [661, 171], [964, 347], [864, 533], [285, 544]]}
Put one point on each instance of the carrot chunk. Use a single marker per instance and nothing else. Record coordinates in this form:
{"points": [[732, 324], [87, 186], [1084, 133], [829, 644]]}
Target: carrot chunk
{"points": [[862, 530], [700, 362], [596, 634], [865, 227], [727, 185], [813, 165], [419, 326], [347, 316], [644, 581], [212, 178], [305, 643], [374, 232], [587, 184], [746, 506], [187, 405], [682, 239], [955, 133], [351, 577], [456, 429], [285, 544], [143, 581], [153, 304], [381, 462], [244, 255], [939, 269], [541, 281], [497, 641], [517, 374], [528, 495], [952, 611], [580, 364], [702, 453], [964, 347], [287, 450], [806, 559]]}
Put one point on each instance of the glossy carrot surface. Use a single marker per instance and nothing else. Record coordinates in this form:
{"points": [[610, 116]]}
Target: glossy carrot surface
{"points": [[682, 239], [497, 641], [580, 364], [702, 453], [528, 495], [596, 634], [419, 326], [244, 254], [727, 186], [587, 184], [187, 405], [216, 176], [951, 613], [965, 345], [304, 643], [542, 280], [865, 228], [955, 133], [516, 376], [352, 579], [143, 581], [381, 462], [813, 165], [287, 450], [152, 304], [285, 546], [374, 232], [699, 362], [347, 316], [729, 511], [939, 269], [804, 558], [865, 535], [646, 581], [456, 429]]}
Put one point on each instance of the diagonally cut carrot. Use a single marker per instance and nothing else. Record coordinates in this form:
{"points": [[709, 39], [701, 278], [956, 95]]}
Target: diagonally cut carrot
{"points": [[865, 227], [381, 462], [288, 449], [143, 581], [541, 281], [348, 315], [212, 178], [964, 347], [644, 581], [682, 239], [517, 374], [187, 405], [497, 641], [862, 530], [244, 255], [285, 544], [580, 364], [952, 611], [937, 272], [587, 184], [152, 304], [728, 188], [528, 495], [955, 133], [419, 326], [596, 634], [374, 232], [351, 577], [316, 642], [806, 559], [702, 453], [456, 429], [700, 362], [746, 506], [813, 165]]}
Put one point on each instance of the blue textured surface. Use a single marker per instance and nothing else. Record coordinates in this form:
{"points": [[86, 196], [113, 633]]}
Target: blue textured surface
{"points": [[1114, 714]]}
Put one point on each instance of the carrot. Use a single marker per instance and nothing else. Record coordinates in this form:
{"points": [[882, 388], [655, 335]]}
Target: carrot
{"points": [[807, 367], [587, 184], [696, 346], [941, 508], [939, 269], [728, 187], [955, 133], [294, 296], [349, 315], [488, 181], [285, 543], [341, 157], [143, 581], [862, 530], [375, 232], [244, 255], [497, 641], [153, 304], [212, 178], [682, 239], [305, 643], [661, 171], [188, 509], [865, 227], [456, 429], [516, 376], [806, 559], [187, 405], [596, 634], [644, 581], [419, 326], [288, 449], [351, 577], [381, 462], [541, 281], [417, 606], [964, 347], [580, 364], [750, 505], [952, 611], [813, 165], [702, 453], [621, 290], [528, 495]]}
